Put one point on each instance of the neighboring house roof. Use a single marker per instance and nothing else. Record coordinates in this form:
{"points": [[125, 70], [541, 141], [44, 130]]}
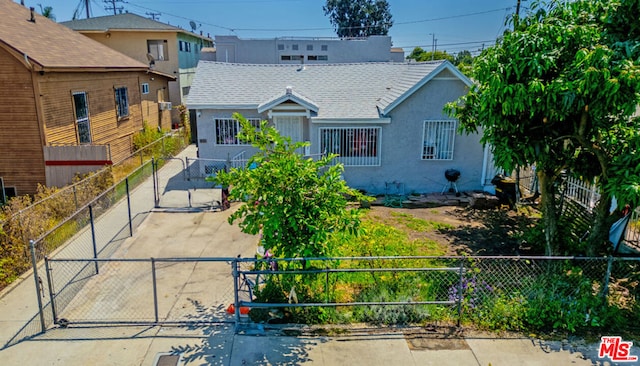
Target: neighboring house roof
{"points": [[337, 91], [124, 22], [53, 46]]}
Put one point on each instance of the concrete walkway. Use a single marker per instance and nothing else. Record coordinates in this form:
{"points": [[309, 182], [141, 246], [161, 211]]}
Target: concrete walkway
{"points": [[207, 233]]}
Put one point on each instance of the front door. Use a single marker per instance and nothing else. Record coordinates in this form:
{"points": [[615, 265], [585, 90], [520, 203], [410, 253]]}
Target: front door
{"points": [[290, 126]]}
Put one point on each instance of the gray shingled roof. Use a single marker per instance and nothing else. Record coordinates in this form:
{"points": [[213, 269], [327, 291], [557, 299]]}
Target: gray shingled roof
{"points": [[119, 21], [124, 22], [359, 90]]}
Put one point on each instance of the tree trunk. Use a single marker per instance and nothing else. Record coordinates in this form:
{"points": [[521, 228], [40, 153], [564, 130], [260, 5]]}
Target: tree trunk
{"points": [[599, 234], [549, 212]]}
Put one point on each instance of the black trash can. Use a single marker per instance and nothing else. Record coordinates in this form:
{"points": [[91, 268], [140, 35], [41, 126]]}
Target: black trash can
{"points": [[505, 190]]}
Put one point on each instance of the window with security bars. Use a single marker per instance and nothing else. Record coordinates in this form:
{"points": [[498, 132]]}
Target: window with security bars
{"points": [[354, 146], [122, 102], [438, 140], [227, 130], [81, 108]]}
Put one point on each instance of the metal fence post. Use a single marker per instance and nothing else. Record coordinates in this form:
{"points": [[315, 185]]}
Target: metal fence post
{"points": [[605, 287], [326, 286], [155, 289], [93, 238], [126, 183], [460, 294], [54, 311], [75, 197], [156, 200], [236, 300], [36, 278]]}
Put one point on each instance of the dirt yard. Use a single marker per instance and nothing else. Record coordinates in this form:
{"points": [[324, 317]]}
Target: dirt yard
{"points": [[475, 232]]}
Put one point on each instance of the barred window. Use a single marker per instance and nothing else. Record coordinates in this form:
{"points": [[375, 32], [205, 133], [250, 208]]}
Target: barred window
{"points": [[438, 140], [227, 130], [354, 146], [122, 102]]}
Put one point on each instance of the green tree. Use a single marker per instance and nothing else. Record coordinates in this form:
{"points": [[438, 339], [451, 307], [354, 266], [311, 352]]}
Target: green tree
{"points": [[293, 201], [421, 55], [47, 12], [359, 18], [558, 92]]}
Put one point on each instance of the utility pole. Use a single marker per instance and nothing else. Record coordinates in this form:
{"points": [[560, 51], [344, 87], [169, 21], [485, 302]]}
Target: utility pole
{"points": [[87, 7], [516, 18], [113, 6], [153, 15], [433, 45]]}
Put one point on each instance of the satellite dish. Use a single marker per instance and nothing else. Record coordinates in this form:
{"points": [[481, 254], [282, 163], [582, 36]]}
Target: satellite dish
{"points": [[152, 60], [193, 25]]}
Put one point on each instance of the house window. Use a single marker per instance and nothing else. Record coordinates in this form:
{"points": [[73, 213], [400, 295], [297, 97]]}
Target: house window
{"points": [[280, 47], [291, 58], [354, 146], [184, 46], [185, 90], [438, 140], [158, 49], [227, 130], [312, 58], [324, 47], [81, 108], [309, 47], [323, 58], [122, 102], [6, 193], [294, 47], [145, 88]]}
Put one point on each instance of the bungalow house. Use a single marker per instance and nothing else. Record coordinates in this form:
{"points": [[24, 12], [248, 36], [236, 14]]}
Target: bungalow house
{"points": [[384, 120], [72, 104], [166, 48]]}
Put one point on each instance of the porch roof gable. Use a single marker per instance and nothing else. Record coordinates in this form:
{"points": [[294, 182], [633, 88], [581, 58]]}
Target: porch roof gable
{"points": [[289, 96]]}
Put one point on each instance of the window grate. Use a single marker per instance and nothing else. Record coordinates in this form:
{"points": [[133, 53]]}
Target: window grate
{"points": [[438, 140], [354, 146], [227, 130]]}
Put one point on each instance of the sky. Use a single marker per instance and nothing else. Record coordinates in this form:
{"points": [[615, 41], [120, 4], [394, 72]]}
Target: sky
{"points": [[452, 25]]}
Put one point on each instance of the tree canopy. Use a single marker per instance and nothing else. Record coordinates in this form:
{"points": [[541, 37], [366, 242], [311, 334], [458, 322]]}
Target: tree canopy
{"points": [[359, 18], [295, 202], [559, 92], [420, 55]]}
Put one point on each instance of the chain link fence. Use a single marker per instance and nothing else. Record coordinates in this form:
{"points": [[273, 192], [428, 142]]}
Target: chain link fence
{"points": [[345, 291]]}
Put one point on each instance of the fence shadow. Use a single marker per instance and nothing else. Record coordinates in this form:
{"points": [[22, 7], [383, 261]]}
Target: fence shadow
{"points": [[222, 346], [492, 232]]}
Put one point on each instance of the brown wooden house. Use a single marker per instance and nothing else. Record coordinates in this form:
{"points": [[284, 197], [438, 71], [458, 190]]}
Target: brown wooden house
{"points": [[71, 105]]}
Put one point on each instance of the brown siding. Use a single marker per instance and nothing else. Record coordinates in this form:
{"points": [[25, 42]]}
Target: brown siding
{"points": [[59, 119], [21, 157]]}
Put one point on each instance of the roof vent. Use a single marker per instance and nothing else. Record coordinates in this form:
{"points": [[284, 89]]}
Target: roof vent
{"points": [[33, 17], [289, 90]]}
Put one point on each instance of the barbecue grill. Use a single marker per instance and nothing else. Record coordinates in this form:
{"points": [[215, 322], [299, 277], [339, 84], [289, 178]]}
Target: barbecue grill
{"points": [[452, 176]]}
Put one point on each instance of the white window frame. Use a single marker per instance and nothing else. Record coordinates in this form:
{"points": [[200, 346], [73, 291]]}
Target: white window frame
{"points": [[82, 120], [122, 101], [344, 141], [159, 49], [145, 88], [231, 127], [438, 139]]}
